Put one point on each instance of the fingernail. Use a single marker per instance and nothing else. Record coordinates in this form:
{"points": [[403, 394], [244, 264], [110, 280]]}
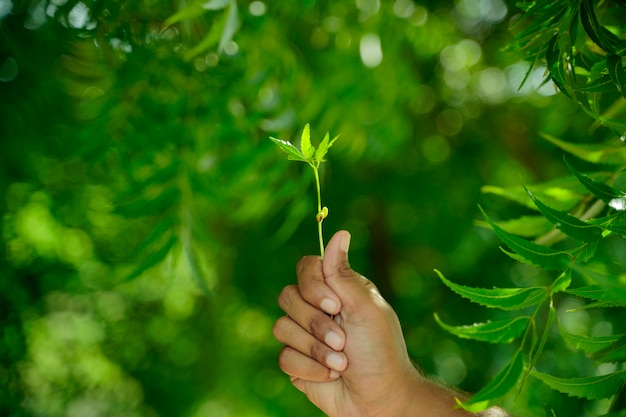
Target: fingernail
{"points": [[333, 340], [329, 306], [336, 361], [345, 242]]}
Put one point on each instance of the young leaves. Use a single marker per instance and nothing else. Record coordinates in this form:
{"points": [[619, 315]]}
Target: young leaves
{"points": [[307, 153], [593, 388], [502, 298]]}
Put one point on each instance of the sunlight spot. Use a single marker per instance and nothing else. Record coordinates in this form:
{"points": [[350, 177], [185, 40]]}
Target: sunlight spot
{"points": [[231, 48], [79, 16], [36, 15], [8, 70], [371, 50], [436, 149], [6, 6], [257, 8], [403, 8], [618, 204]]}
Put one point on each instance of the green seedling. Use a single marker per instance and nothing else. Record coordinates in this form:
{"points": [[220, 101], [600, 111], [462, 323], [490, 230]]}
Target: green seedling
{"points": [[314, 158]]}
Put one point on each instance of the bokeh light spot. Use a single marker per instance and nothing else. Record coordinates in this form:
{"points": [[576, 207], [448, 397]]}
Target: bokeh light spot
{"points": [[371, 50]]}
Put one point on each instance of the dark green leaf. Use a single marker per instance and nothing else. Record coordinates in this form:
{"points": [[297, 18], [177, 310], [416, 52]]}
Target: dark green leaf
{"points": [[562, 282], [530, 252], [616, 72], [140, 207], [538, 348], [614, 353], [501, 331], [555, 65], [593, 388], [602, 191], [153, 259], [502, 298], [502, 383], [611, 282], [616, 223], [568, 224], [601, 36]]}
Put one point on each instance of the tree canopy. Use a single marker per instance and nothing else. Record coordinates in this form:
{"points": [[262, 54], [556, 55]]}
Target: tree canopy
{"points": [[149, 222]]}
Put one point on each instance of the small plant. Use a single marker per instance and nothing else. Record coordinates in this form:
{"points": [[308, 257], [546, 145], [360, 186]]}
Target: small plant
{"points": [[314, 157]]}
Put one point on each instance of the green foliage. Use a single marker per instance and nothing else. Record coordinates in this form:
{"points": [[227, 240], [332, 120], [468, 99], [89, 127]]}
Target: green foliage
{"points": [[584, 57]]}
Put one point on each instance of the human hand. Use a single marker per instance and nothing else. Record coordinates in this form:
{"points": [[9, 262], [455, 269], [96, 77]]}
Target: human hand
{"points": [[355, 365]]}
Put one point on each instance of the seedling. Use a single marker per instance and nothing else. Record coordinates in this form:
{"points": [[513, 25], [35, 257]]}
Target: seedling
{"points": [[314, 158]]}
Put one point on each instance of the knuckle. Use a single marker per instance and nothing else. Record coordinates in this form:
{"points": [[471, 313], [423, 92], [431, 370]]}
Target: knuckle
{"points": [[306, 262], [279, 328], [287, 295]]}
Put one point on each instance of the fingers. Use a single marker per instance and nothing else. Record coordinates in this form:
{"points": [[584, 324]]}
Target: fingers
{"points": [[300, 366], [287, 331], [312, 286], [310, 319]]}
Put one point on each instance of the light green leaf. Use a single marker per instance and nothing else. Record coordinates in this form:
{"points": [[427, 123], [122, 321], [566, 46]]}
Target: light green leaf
{"points": [[325, 145], [614, 353], [593, 388], [562, 282], [560, 194], [596, 153], [231, 25], [502, 383], [502, 298], [530, 252], [305, 142], [568, 224], [525, 226], [292, 152], [189, 12], [501, 331], [588, 344], [215, 4]]}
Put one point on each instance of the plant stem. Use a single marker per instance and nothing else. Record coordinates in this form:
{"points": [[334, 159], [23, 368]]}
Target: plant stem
{"points": [[319, 208]]}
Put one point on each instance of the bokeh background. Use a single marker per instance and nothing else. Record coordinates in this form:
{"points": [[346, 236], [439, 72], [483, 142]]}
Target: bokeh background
{"points": [[149, 223]]}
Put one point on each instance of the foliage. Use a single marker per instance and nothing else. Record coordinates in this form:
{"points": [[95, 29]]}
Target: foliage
{"points": [[583, 46]]}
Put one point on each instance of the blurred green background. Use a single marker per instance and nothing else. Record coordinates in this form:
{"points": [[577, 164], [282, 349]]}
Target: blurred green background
{"points": [[149, 224]]}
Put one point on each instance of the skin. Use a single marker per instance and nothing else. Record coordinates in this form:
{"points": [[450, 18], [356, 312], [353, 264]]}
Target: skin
{"points": [[344, 347]]}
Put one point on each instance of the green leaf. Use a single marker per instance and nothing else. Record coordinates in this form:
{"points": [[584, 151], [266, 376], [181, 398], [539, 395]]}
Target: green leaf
{"points": [[603, 153], [153, 259], [614, 353], [325, 145], [305, 142], [601, 36], [615, 223], [231, 25], [189, 12], [593, 388], [562, 282], [614, 284], [568, 224], [215, 4], [501, 331], [616, 72], [601, 190], [140, 206], [555, 65], [560, 194], [292, 152], [502, 298], [525, 226], [537, 349], [601, 296], [530, 252], [502, 383], [588, 344]]}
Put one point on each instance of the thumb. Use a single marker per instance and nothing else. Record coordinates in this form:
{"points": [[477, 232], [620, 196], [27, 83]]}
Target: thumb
{"points": [[350, 286]]}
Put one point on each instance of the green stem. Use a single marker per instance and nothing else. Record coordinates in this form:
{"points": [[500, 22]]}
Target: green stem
{"points": [[319, 208]]}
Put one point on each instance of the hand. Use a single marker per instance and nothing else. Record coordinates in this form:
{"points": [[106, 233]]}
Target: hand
{"points": [[355, 365]]}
